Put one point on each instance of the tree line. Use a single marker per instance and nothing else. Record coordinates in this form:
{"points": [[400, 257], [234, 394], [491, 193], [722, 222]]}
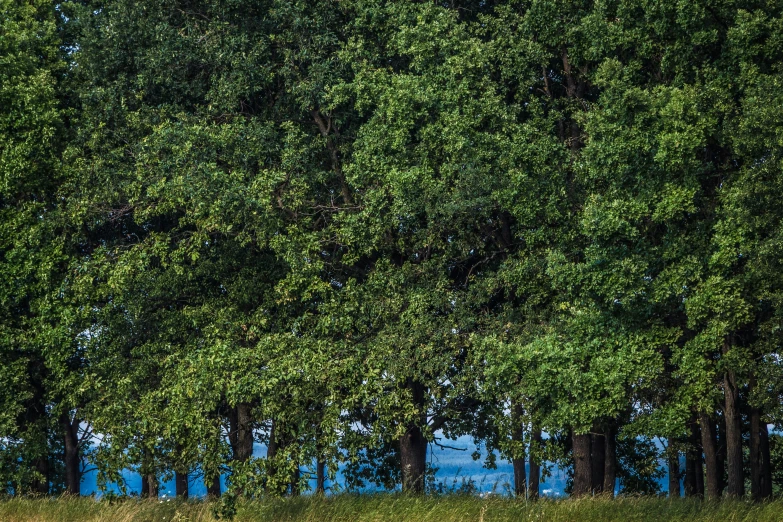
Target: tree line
{"points": [[351, 229]]}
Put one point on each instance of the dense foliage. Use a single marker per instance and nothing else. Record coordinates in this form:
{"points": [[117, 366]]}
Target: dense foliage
{"points": [[349, 229]]}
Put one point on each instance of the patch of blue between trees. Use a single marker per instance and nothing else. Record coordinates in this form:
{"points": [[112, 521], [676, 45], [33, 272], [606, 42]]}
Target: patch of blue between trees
{"points": [[455, 471]]}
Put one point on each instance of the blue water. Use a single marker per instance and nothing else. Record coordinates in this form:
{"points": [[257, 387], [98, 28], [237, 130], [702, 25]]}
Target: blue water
{"points": [[454, 467]]}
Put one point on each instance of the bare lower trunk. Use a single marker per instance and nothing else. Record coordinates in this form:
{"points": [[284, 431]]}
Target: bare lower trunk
{"points": [[689, 484], [180, 475], [760, 466], [274, 446], [518, 462], [213, 487], [73, 478], [710, 446], [149, 486], [755, 455], [320, 477], [699, 477], [735, 486], [535, 466], [181, 484], [598, 461], [241, 432], [413, 458], [721, 455], [320, 463], [766, 464], [271, 449], [295, 477], [582, 465], [610, 458], [41, 485], [145, 472], [413, 447], [674, 469], [149, 480], [694, 482]]}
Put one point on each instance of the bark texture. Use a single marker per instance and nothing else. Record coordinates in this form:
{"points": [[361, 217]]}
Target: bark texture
{"points": [[610, 459], [674, 469], [520, 478], [181, 484], [149, 486], [241, 432], [213, 487], [41, 485], [766, 466], [320, 477], [295, 476], [73, 476], [735, 485], [694, 479], [598, 461], [760, 465], [709, 444], [413, 447], [535, 467], [583, 472]]}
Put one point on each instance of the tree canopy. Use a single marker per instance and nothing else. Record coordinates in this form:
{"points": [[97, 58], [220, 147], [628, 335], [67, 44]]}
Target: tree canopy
{"points": [[348, 229]]}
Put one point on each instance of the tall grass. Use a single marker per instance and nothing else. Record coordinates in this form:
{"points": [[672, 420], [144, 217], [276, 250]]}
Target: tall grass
{"points": [[392, 508]]}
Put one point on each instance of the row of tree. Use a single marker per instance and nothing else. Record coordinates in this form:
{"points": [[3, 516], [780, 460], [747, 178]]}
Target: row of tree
{"points": [[349, 229]]}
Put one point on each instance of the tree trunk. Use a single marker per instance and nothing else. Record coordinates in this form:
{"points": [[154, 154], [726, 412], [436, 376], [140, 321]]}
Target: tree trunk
{"points": [[241, 436], [518, 462], [756, 461], [320, 462], [149, 486], [674, 469], [520, 479], [320, 477], [41, 486], [71, 460], [694, 486], [582, 468], [709, 444], [721, 455], [145, 474], [610, 458], [735, 488], [274, 446], [598, 461], [181, 484], [766, 464], [689, 484], [413, 447], [297, 474], [535, 467], [180, 475], [271, 449], [154, 486], [213, 487], [413, 458]]}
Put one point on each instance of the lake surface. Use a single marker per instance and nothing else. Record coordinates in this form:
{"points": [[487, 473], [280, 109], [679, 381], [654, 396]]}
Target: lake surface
{"points": [[453, 467]]}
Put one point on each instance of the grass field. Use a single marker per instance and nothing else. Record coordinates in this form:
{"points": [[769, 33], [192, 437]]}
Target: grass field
{"points": [[392, 508]]}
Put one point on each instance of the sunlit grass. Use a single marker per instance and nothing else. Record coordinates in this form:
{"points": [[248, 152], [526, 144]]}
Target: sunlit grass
{"points": [[391, 508]]}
